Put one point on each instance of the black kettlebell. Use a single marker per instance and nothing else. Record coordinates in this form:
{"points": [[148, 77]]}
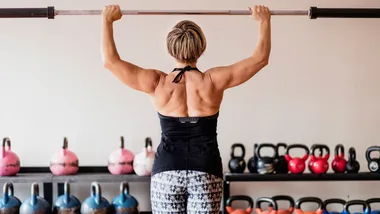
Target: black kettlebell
{"points": [[352, 165], [281, 166], [266, 164], [237, 163], [373, 163], [252, 162]]}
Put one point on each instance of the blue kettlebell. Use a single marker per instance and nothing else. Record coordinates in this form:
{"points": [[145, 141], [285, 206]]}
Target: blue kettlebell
{"points": [[96, 204], [67, 203], [371, 201], [35, 204], [366, 207], [9, 203], [125, 203], [333, 201]]}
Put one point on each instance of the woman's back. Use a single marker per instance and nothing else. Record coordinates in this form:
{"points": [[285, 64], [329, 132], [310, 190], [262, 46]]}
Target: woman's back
{"points": [[194, 95]]}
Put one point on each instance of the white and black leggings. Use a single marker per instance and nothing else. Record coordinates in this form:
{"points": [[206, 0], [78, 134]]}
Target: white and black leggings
{"points": [[185, 191]]}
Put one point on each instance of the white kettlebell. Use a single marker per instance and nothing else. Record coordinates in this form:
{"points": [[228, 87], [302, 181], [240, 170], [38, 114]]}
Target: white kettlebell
{"points": [[143, 161]]}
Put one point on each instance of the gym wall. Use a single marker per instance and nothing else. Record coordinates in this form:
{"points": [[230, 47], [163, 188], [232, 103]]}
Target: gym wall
{"points": [[321, 86]]}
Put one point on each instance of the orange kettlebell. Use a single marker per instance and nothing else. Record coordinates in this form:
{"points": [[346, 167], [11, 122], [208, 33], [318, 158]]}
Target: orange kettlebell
{"points": [[284, 198], [239, 198], [306, 200], [272, 209]]}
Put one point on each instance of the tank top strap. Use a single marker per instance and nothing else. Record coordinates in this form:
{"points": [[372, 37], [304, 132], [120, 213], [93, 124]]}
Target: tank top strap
{"points": [[182, 70]]}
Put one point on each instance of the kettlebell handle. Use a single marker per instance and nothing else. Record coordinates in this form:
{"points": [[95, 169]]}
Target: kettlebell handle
{"points": [[272, 203], [233, 148], [321, 147], [372, 201], [6, 143], [333, 201], [263, 145], [300, 146], [66, 187], [352, 153], [348, 204], [35, 191], [240, 198], [285, 198], [7, 191], [148, 142], [339, 151], [65, 143], [96, 191], [316, 200], [124, 191], [313, 148], [370, 150], [121, 142], [279, 145]]}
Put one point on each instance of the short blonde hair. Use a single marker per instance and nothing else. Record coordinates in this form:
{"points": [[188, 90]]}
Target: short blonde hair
{"points": [[186, 42]]}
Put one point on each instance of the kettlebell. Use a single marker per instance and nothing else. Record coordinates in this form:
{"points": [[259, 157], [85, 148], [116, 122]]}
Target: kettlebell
{"points": [[333, 201], [366, 206], [252, 162], [143, 161], [9, 203], [316, 200], [237, 163], [320, 165], [281, 166], [95, 203], [296, 165], [66, 203], [120, 161], [125, 203], [272, 208], [373, 163], [9, 162], [266, 164], [284, 198], [352, 165], [372, 201], [35, 204], [64, 162], [231, 210], [319, 155], [339, 162]]}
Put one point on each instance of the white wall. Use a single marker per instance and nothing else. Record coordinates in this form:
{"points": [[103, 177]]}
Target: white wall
{"points": [[321, 86]]}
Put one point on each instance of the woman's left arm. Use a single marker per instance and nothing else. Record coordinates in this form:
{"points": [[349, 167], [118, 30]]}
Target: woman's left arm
{"points": [[145, 80]]}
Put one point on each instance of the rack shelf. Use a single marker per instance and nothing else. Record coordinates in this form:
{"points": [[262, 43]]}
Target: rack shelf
{"points": [[246, 177], [100, 177]]}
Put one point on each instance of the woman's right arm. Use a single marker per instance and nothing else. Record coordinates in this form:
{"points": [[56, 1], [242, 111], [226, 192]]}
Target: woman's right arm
{"points": [[225, 77]]}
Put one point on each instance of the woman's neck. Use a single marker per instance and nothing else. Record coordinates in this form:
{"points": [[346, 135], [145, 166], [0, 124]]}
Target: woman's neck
{"points": [[182, 65]]}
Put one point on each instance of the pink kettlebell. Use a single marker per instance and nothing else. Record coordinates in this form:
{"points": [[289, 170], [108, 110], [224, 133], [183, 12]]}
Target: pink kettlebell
{"points": [[64, 162], [9, 163], [143, 162], [121, 161]]}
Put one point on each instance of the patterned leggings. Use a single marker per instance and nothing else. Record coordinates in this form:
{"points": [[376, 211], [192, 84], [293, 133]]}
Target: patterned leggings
{"points": [[184, 191]]}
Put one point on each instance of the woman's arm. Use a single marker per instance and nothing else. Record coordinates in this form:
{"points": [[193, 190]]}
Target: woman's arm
{"points": [[145, 80], [229, 76]]}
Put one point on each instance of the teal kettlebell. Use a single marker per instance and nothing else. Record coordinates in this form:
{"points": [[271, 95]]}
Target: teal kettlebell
{"points": [[96, 204], [67, 203], [9, 203], [35, 204], [125, 203]]}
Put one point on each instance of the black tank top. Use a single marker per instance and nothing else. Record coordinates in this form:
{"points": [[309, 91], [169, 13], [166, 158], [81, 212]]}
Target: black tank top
{"points": [[188, 143]]}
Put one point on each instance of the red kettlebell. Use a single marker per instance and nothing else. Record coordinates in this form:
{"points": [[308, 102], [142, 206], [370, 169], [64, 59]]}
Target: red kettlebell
{"points": [[231, 210], [284, 198], [312, 161], [339, 162], [300, 201], [320, 165], [272, 208], [64, 162], [121, 161], [296, 165], [9, 162]]}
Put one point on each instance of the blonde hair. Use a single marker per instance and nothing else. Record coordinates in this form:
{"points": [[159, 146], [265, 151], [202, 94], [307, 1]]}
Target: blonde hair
{"points": [[186, 42]]}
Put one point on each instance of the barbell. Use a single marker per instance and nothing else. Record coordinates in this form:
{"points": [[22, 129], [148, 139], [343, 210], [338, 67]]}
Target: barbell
{"points": [[313, 12]]}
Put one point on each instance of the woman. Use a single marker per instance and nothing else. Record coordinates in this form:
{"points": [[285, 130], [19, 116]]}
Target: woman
{"points": [[187, 174]]}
